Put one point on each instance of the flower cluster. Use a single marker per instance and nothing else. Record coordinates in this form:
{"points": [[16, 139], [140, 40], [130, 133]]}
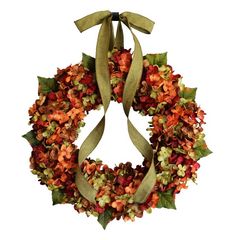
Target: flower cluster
{"points": [[176, 136]]}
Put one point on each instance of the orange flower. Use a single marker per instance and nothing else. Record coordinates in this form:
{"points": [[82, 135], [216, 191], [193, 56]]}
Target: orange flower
{"points": [[77, 70], [130, 189], [178, 110], [33, 109], [68, 79], [63, 177], [58, 116], [154, 77], [119, 204], [90, 168], [157, 127], [181, 186], [65, 165], [54, 138], [167, 85], [65, 152], [50, 181], [200, 114], [172, 120], [74, 112], [161, 97], [154, 200], [126, 218]]}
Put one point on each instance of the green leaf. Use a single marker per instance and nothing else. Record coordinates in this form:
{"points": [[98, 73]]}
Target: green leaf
{"points": [[201, 149], [88, 62], [188, 93], [105, 217], [166, 200], [158, 59], [47, 85], [31, 138], [57, 196]]}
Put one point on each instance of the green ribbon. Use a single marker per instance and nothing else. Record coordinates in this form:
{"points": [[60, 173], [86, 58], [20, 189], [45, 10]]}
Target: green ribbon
{"points": [[106, 42]]}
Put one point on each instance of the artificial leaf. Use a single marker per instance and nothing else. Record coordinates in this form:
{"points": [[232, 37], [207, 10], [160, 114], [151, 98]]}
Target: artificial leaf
{"points": [[158, 59], [188, 93], [47, 85], [88, 62], [166, 200], [201, 149], [105, 217], [31, 138], [57, 196]]}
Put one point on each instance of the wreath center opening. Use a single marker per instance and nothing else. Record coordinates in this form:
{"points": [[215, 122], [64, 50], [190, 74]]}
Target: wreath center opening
{"points": [[115, 146]]}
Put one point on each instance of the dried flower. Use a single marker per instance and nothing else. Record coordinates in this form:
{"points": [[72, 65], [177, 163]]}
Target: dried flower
{"points": [[176, 137]]}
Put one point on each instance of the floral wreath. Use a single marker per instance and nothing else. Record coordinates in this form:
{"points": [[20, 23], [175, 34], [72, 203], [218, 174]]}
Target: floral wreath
{"points": [[176, 136]]}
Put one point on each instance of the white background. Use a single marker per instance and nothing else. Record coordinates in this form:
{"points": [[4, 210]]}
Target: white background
{"points": [[36, 37]]}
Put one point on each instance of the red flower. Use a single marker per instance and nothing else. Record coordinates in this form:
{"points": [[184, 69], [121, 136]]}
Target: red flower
{"points": [[52, 96], [180, 159], [125, 62], [152, 76], [118, 90], [99, 209], [87, 79], [124, 181], [90, 90]]}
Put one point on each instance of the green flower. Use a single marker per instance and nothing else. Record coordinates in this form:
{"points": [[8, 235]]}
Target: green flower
{"points": [[127, 197], [181, 170], [153, 94], [103, 200], [48, 172], [99, 181], [164, 154], [50, 129], [151, 111], [164, 177]]}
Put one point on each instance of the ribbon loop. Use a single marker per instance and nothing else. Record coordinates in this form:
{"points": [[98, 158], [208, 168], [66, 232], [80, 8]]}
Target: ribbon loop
{"points": [[119, 39], [91, 20], [137, 22]]}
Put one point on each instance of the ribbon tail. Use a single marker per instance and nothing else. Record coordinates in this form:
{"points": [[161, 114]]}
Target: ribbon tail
{"points": [[111, 38], [119, 40]]}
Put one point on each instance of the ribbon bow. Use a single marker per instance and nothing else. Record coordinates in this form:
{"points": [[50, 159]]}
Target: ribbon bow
{"points": [[105, 42]]}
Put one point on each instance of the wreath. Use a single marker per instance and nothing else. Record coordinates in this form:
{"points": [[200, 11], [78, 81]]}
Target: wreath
{"points": [[176, 136]]}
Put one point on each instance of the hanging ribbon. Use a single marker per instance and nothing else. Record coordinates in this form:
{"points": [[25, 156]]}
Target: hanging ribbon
{"points": [[105, 42]]}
